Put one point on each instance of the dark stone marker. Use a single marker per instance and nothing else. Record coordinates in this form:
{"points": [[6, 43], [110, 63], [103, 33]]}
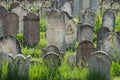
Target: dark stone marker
{"points": [[108, 19], [10, 44], [85, 48], [21, 12], [3, 11], [55, 30], [100, 33], [99, 64], [10, 23], [86, 33], [31, 29], [111, 44]]}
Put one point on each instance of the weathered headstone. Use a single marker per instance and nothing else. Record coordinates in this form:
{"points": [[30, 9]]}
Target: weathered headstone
{"points": [[89, 18], [31, 29], [21, 12], [10, 44], [85, 4], [72, 60], [84, 49], [55, 30], [10, 23], [71, 34], [108, 19], [67, 8], [52, 60], [100, 33], [111, 44], [86, 33], [18, 67], [99, 64], [51, 48]]}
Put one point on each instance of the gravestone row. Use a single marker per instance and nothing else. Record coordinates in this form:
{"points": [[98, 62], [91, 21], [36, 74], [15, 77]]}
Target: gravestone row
{"points": [[27, 23]]}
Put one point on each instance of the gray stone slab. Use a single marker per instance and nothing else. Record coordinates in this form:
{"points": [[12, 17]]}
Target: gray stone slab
{"points": [[55, 30], [99, 64]]}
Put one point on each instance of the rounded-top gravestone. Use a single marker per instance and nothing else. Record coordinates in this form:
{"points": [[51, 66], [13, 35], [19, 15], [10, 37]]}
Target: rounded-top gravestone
{"points": [[99, 64], [100, 33], [85, 48]]}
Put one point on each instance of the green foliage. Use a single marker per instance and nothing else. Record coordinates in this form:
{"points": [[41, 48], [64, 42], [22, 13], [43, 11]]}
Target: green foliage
{"points": [[115, 68]]}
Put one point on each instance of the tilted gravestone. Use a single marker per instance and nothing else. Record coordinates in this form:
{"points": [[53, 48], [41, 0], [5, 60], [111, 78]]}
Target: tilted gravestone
{"points": [[31, 29], [51, 48], [86, 33], [10, 23], [111, 44], [100, 33], [67, 8], [55, 30], [21, 12], [10, 44], [99, 64], [84, 49], [71, 34], [3, 11], [52, 60], [108, 19], [18, 67], [89, 18], [71, 60]]}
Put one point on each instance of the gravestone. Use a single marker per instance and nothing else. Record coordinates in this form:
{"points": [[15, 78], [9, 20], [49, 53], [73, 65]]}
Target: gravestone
{"points": [[21, 12], [51, 48], [111, 44], [10, 23], [89, 18], [10, 44], [3, 11], [67, 8], [100, 33], [86, 33], [71, 34], [55, 30], [52, 60], [84, 49], [85, 4], [18, 67], [71, 60], [100, 63], [31, 29], [108, 19]]}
